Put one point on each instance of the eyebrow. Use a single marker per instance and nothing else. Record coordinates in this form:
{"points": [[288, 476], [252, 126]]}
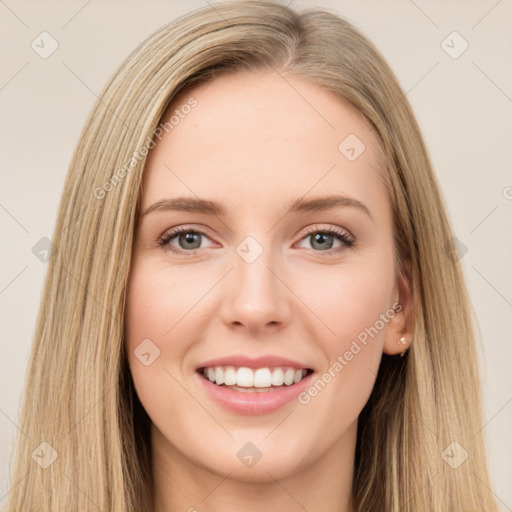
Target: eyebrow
{"points": [[197, 205]]}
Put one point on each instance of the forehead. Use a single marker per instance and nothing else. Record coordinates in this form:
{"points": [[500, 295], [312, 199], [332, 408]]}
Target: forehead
{"points": [[253, 137]]}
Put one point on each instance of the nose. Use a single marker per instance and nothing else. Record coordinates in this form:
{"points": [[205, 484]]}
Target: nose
{"points": [[255, 296]]}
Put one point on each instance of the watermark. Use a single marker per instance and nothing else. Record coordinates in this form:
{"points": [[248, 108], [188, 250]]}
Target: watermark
{"points": [[146, 352], [141, 153], [455, 249], [44, 45], [249, 454], [351, 147], [41, 250], [44, 455], [249, 249], [454, 45], [454, 455], [342, 360]]}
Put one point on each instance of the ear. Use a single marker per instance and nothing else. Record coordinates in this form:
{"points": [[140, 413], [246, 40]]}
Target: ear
{"points": [[399, 329]]}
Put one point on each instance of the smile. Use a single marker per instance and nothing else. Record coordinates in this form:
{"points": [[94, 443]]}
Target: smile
{"points": [[253, 391], [250, 380]]}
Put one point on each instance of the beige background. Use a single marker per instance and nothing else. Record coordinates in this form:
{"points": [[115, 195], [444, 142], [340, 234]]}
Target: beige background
{"points": [[463, 105]]}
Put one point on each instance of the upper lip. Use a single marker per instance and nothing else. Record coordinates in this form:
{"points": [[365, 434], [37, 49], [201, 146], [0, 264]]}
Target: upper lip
{"points": [[253, 362]]}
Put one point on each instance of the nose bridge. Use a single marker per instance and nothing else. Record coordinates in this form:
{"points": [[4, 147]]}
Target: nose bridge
{"points": [[256, 296]]}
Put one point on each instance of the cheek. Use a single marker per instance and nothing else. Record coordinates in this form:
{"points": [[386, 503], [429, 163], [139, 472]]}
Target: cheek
{"points": [[350, 300], [158, 306], [157, 301], [352, 304]]}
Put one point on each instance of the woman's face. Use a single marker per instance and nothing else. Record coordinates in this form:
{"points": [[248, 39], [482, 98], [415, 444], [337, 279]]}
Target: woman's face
{"points": [[261, 277]]}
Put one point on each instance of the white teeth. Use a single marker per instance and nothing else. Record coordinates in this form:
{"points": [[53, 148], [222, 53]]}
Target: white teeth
{"points": [[277, 377], [229, 376], [244, 377], [263, 378], [219, 376], [289, 375]]}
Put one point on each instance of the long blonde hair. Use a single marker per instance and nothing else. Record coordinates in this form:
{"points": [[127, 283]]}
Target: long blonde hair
{"points": [[79, 396]]}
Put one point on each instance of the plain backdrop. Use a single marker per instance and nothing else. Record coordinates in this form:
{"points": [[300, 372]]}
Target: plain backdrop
{"points": [[463, 104]]}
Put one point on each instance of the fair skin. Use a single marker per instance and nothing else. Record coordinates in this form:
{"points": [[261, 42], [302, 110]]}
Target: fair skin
{"points": [[254, 145]]}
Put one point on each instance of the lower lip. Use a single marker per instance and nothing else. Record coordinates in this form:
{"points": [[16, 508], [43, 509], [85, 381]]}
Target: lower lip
{"points": [[255, 402]]}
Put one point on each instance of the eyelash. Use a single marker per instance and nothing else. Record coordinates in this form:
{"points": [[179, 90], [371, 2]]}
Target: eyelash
{"points": [[347, 241]]}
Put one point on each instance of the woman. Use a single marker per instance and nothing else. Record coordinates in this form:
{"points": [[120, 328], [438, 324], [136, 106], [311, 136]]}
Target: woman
{"points": [[313, 348]]}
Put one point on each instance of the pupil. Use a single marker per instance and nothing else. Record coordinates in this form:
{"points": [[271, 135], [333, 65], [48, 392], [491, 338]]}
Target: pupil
{"points": [[321, 239], [190, 238]]}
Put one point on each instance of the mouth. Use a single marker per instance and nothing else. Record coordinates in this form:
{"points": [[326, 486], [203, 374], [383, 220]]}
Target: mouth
{"points": [[254, 380]]}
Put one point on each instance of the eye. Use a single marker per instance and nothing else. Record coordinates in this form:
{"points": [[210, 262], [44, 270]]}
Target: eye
{"points": [[322, 240], [188, 240]]}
